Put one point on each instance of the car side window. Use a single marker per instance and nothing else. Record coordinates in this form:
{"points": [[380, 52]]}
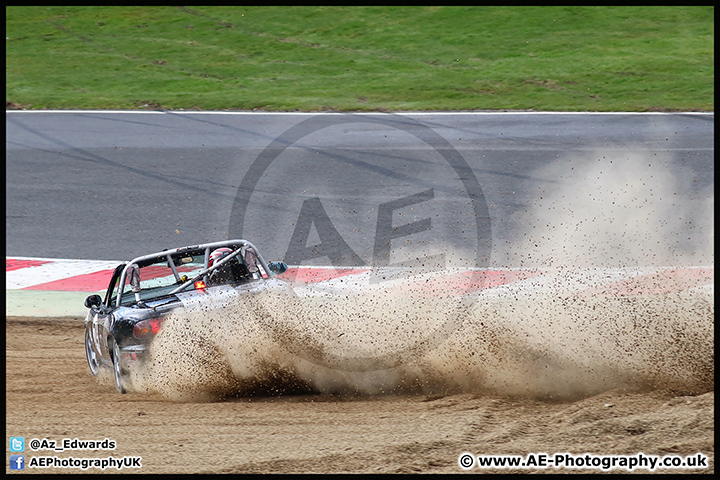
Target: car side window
{"points": [[112, 291]]}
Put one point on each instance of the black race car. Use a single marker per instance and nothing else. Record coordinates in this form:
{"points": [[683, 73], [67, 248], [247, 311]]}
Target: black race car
{"points": [[119, 328]]}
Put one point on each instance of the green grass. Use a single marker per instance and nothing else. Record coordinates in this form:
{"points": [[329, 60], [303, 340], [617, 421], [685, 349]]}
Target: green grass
{"points": [[361, 58]]}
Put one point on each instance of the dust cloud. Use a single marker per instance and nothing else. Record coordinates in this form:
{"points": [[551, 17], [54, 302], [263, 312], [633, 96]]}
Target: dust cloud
{"points": [[635, 209], [559, 334]]}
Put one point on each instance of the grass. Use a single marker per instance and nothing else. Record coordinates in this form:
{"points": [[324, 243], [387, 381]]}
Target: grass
{"points": [[361, 58]]}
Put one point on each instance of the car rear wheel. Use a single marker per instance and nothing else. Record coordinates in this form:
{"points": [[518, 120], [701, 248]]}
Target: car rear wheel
{"points": [[117, 369], [90, 354]]}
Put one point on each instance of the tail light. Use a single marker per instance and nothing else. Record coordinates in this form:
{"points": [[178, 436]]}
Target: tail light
{"points": [[147, 327]]}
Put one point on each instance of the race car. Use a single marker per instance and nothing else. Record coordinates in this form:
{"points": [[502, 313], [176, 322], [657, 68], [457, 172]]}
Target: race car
{"points": [[119, 329]]}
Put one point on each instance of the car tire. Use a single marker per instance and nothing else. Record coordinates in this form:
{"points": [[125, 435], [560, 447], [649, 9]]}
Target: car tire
{"points": [[117, 369], [91, 355]]}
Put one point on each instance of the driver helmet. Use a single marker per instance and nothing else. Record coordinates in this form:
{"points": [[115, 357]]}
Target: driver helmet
{"points": [[219, 254]]}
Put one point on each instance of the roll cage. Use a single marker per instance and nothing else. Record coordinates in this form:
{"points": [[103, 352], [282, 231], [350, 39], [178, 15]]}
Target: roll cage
{"points": [[257, 267]]}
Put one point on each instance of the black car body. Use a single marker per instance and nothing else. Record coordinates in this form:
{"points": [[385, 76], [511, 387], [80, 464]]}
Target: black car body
{"points": [[119, 329]]}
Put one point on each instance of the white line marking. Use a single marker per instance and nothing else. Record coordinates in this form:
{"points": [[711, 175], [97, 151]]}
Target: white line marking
{"points": [[429, 113], [43, 259]]}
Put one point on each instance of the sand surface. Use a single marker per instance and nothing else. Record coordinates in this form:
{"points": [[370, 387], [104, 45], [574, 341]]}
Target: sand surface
{"points": [[51, 394]]}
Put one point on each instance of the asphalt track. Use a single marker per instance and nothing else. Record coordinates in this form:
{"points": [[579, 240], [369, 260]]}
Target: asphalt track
{"points": [[103, 185], [113, 185]]}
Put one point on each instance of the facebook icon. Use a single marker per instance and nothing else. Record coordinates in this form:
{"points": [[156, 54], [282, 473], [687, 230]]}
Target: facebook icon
{"points": [[17, 462]]}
